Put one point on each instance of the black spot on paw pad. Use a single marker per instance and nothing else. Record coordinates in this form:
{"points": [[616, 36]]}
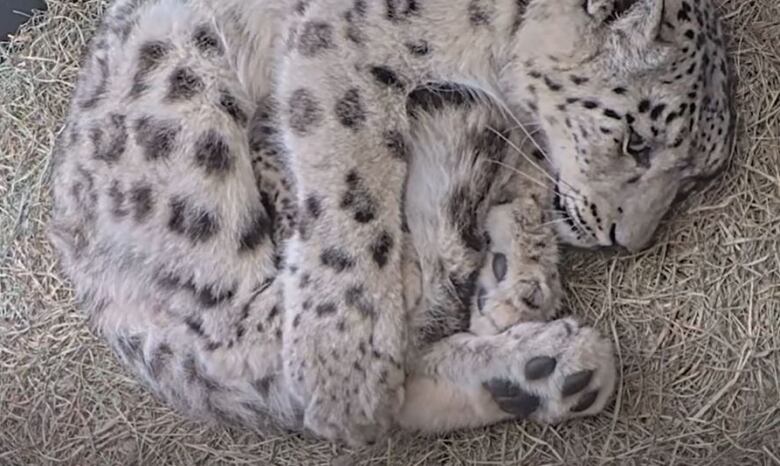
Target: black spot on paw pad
{"points": [[585, 402], [539, 367], [576, 382], [500, 266], [511, 398]]}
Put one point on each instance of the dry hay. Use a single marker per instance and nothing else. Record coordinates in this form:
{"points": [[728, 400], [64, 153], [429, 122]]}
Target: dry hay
{"points": [[696, 318]]}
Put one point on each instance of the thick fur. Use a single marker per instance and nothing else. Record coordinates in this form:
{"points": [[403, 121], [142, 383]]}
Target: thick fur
{"points": [[322, 215]]}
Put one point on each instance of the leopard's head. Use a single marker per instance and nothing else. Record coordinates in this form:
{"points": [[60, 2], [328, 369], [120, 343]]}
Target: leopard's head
{"points": [[634, 101]]}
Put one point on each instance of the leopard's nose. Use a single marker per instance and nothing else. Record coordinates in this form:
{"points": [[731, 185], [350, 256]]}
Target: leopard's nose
{"points": [[632, 239]]}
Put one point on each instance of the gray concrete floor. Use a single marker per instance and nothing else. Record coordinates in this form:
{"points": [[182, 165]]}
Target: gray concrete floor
{"points": [[15, 12]]}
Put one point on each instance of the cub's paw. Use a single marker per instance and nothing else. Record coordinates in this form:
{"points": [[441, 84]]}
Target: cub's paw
{"points": [[519, 280], [562, 371]]}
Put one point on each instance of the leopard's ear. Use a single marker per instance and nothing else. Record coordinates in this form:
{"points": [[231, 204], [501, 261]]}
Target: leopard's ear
{"points": [[633, 38], [641, 20]]}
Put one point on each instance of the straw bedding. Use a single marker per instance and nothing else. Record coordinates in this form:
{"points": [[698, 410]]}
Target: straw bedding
{"points": [[696, 319]]}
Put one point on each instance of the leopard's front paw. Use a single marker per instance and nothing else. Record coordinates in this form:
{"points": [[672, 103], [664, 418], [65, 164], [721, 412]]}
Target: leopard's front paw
{"points": [[563, 371], [519, 281]]}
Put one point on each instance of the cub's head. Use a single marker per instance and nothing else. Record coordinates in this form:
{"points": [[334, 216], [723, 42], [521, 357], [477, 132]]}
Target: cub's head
{"points": [[634, 100]]}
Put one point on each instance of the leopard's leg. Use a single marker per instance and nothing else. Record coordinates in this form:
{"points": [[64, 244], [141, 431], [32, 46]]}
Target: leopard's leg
{"points": [[519, 280], [464, 198], [544, 371], [447, 195], [478, 212], [343, 122]]}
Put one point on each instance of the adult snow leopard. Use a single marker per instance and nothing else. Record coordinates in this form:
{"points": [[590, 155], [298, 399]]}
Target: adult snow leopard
{"points": [[230, 197]]}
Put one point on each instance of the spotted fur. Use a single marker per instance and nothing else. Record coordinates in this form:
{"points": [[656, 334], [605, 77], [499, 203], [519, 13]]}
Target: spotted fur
{"points": [[318, 215]]}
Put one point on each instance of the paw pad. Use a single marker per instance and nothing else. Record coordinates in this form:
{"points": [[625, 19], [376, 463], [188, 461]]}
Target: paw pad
{"points": [[511, 398], [540, 367], [500, 266], [576, 382], [481, 298], [570, 380], [586, 402]]}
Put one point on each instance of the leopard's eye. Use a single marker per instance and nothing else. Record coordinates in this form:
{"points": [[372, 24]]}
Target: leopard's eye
{"points": [[636, 146]]}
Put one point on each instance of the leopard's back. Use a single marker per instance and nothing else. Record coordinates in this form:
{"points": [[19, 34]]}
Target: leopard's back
{"points": [[171, 203]]}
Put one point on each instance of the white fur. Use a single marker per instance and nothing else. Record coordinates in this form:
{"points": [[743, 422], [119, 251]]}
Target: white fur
{"points": [[336, 343]]}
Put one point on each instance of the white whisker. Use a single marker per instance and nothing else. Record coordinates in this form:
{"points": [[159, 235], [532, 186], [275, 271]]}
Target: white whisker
{"points": [[533, 163], [553, 222], [521, 173], [524, 127]]}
